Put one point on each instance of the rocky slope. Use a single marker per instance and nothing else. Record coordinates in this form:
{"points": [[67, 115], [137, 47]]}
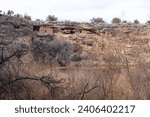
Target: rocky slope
{"points": [[104, 58]]}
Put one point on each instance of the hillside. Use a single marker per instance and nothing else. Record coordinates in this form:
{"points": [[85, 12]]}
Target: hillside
{"points": [[69, 60]]}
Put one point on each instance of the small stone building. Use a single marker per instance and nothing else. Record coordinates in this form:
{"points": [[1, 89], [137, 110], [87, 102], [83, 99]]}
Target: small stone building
{"points": [[46, 29]]}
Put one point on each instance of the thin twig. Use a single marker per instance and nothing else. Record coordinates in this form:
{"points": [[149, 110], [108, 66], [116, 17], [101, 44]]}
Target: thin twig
{"points": [[42, 79], [88, 91]]}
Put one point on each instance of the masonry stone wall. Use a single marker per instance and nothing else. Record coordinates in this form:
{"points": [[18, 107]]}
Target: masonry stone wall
{"points": [[46, 30]]}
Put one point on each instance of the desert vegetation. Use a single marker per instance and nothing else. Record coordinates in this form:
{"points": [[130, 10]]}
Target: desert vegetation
{"points": [[73, 60]]}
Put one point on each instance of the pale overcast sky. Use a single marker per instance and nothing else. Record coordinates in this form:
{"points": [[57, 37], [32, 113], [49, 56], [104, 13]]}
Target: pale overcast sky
{"points": [[80, 10]]}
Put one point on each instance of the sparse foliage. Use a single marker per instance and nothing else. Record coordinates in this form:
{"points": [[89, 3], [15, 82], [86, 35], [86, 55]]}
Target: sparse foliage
{"points": [[125, 21], [27, 17], [10, 13], [39, 21], [18, 16], [49, 49], [116, 20], [136, 21], [51, 18], [15, 86], [97, 20], [148, 22], [0, 13]]}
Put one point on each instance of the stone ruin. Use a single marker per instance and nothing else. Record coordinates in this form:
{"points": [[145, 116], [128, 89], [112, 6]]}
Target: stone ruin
{"points": [[18, 31], [63, 27], [22, 25], [87, 28]]}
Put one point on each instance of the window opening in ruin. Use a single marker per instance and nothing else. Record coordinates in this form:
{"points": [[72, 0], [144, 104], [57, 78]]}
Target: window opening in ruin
{"points": [[72, 32], [16, 27], [36, 28]]}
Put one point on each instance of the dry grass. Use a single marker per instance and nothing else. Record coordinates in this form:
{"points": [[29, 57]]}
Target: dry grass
{"points": [[104, 82]]}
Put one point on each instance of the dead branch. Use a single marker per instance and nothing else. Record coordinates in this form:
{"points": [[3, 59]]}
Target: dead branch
{"points": [[8, 58], [88, 91], [42, 79]]}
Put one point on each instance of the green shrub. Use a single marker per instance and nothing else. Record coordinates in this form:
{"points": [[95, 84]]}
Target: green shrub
{"points": [[27, 17], [97, 20], [116, 20], [125, 21], [136, 21], [51, 18], [148, 22]]}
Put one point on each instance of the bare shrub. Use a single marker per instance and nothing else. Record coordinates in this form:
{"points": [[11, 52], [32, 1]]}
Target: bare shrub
{"points": [[14, 85], [80, 84], [47, 50], [139, 80], [90, 83]]}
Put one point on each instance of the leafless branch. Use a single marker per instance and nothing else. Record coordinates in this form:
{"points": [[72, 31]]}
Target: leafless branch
{"points": [[88, 91], [42, 79]]}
